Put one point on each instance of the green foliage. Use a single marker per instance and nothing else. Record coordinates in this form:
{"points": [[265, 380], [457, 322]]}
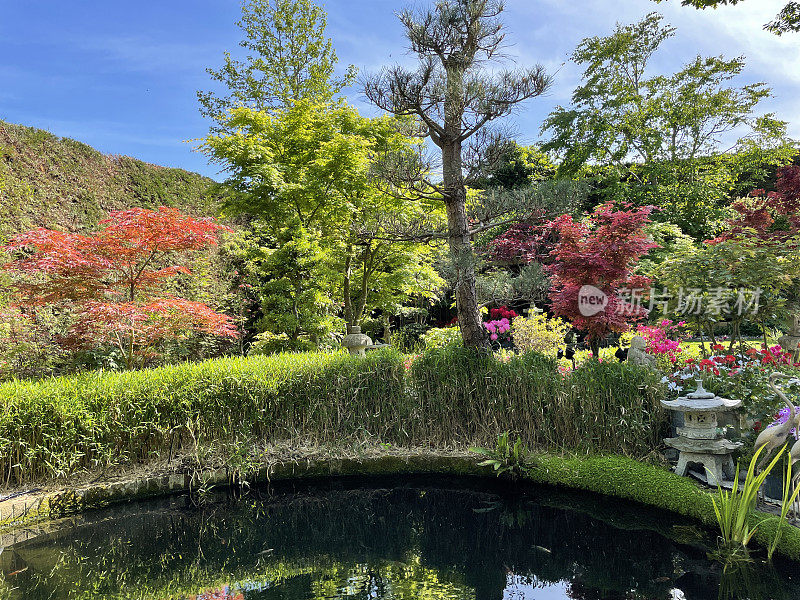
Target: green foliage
{"points": [[453, 396], [59, 183], [439, 337], [538, 333], [655, 139], [289, 58], [505, 457], [787, 501], [599, 407], [619, 113], [292, 279], [517, 167], [671, 242], [718, 271], [55, 427], [266, 343], [306, 172], [733, 508]]}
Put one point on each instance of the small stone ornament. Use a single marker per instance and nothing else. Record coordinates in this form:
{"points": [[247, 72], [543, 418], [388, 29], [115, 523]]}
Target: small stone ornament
{"points": [[356, 342], [637, 353], [700, 441]]}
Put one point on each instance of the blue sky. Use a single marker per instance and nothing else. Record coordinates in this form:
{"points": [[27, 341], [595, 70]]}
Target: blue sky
{"points": [[122, 76]]}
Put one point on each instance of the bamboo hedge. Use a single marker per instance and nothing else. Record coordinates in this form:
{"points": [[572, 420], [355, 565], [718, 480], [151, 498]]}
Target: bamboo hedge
{"points": [[448, 398]]}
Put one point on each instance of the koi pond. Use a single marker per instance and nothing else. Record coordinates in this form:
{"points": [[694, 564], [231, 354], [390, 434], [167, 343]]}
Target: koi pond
{"points": [[399, 538]]}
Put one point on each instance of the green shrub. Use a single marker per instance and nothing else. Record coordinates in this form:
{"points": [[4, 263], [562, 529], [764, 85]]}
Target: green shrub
{"points": [[450, 397], [53, 427], [599, 407], [266, 343], [537, 333], [439, 337]]}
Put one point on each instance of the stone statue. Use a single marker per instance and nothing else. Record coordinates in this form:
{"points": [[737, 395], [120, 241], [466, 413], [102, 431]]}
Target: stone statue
{"points": [[637, 354]]}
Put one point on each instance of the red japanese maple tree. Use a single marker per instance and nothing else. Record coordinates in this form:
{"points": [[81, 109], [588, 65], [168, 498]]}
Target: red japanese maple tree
{"points": [[524, 242], [114, 280], [601, 252], [770, 217]]}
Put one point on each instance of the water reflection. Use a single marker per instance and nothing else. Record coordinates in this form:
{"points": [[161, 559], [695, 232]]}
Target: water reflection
{"points": [[398, 540]]}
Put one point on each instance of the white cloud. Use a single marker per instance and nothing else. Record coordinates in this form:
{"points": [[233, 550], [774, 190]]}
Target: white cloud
{"points": [[547, 31]]}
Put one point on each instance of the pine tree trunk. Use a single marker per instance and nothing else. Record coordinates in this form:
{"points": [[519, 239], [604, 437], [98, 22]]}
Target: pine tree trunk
{"points": [[455, 197], [461, 253]]}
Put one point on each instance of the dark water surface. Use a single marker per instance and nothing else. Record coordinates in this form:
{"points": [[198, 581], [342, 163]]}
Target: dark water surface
{"points": [[376, 539]]}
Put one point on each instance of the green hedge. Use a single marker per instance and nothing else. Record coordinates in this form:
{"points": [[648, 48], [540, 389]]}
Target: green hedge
{"points": [[606, 407], [450, 397]]}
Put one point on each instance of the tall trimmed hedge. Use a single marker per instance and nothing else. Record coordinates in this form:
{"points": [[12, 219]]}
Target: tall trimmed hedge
{"points": [[449, 397]]}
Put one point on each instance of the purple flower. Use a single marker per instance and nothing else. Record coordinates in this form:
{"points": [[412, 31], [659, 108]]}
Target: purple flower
{"points": [[782, 417]]}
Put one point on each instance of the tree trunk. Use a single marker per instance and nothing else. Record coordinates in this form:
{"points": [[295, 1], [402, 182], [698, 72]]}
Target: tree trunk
{"points": [[387, 329], [348, 303], [455, 197], [469, 317]]}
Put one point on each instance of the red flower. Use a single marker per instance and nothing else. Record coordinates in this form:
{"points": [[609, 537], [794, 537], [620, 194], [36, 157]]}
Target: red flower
{"points": [[717, 347], [706, 364], [757, 426]]}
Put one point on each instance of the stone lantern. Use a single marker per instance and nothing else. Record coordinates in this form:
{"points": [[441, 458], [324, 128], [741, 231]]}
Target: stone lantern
{"points": [[356, 342], [700, 441]]}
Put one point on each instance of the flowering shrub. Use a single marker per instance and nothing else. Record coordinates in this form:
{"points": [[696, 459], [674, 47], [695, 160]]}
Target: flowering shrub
{"points": [[537, 333], [498, 328], [503, 312], [741, 377], [663, 339]]}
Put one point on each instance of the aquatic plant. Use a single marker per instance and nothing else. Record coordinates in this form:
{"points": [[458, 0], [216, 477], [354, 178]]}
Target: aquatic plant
{"points": [[787, 501], [733, 508], [506, 457]]}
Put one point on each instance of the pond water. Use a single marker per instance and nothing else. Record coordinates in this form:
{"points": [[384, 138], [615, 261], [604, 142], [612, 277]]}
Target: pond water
{"points": [[376, 539]]}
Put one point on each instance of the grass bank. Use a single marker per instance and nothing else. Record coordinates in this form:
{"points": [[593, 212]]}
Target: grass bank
{"points": [[449, 398]]}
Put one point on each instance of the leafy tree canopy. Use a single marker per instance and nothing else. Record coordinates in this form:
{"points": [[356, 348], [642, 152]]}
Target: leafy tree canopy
{"points": [[657, 139], [114, 280], [310, 169], [288, 58], [621, 114]]}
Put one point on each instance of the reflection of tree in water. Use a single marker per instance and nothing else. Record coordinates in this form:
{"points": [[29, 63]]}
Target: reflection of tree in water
{"points": [[400, 543]]}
